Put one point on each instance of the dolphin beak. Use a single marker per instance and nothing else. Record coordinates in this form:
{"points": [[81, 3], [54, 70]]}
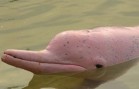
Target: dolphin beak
{"points": [[38, 62]]}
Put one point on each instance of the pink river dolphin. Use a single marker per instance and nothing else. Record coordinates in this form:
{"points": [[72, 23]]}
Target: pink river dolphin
{"points": [[79, 50]]}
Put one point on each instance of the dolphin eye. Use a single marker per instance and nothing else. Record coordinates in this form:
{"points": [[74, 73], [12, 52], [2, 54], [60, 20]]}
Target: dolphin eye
{"points": [[99, 66]]}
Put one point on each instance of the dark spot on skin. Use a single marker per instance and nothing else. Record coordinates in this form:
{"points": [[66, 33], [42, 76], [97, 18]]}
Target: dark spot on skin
{"points": [[88, 31], [99, 66], [81, 57], [89, 47], [67, 42], [77, 46], [64, 45], [66, 54]]}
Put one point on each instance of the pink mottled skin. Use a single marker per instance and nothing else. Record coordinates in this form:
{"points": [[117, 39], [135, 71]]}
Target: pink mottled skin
{"points": [[80, 50]]}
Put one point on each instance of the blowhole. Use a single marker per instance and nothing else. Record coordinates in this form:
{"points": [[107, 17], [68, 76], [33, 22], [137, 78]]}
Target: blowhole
{"points": [[99, 66]]}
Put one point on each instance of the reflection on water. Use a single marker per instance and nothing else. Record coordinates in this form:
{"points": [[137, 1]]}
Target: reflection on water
{"points": [[84, 80], [30, 24]]}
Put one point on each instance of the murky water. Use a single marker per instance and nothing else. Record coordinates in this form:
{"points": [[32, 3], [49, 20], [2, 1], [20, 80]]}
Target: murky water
{"points": [[30, 24]]}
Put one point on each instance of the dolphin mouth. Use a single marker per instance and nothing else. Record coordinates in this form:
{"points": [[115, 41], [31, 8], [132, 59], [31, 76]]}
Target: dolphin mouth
{"points": [[39, 66]]}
